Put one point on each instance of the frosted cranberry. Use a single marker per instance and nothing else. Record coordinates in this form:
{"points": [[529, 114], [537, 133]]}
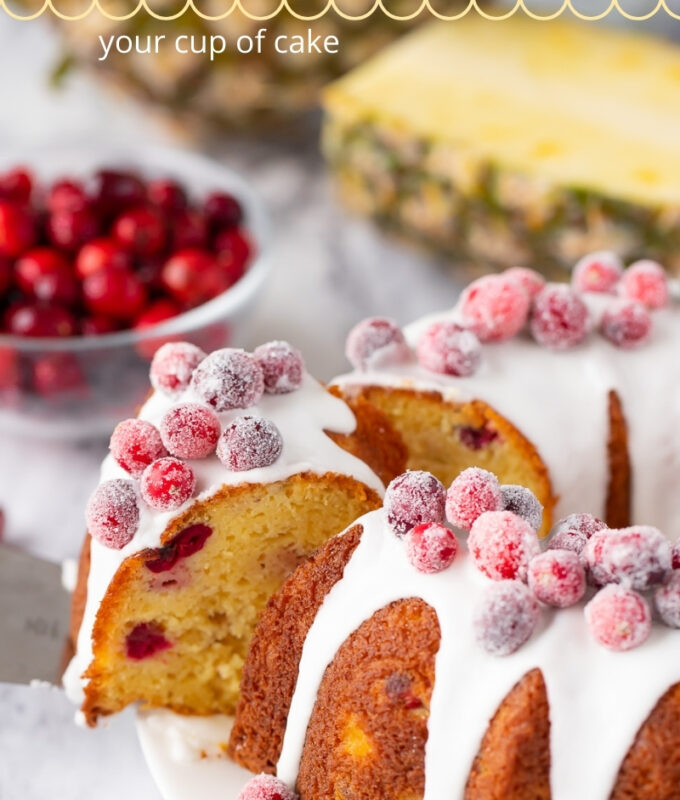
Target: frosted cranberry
{"points": [[116, 190], [249, 443], [145, 640], [502, 544], [414, 498], [559, 318], [57, 373], [136, 443], [472, 493], [116, 293], [229, 379], [222, 210], [69, 230], [192, 277], [530, 280], [97, 326], [618, 618], [584, 524], [190, 431], [667, 600], [17, 230], [449, 349], [626, 324], [646, 282], [167, 484], [495, 307], [6, 275], [597, 272], [100, 254], [112, 513], [66, 195], [184, 544], [44, 274], [376, 342], [266, 787], [282, 366], [188, 229], [431, 547], [637, 557], [675, 555], [568, 540], [34, 319], [166, 195], [173, 365], [523, 502], [557, 578], [505, 618], [476, 438], [233, 244], [16, 185], [140, 230]]}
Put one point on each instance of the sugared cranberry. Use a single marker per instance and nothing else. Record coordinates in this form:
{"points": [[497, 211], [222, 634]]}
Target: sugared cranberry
{"points": [[618, 618], [145, 640], [472, 493], [431, 547], [167, 484], [597, 272], [100, 254], [116, 190], [57, 373], [66, 195], [675, 555], [188, 229], [249, 443], [97, 326], [449, 349], [190, 431], [376, 342], [112, 513], [140, 230], [182, 545], [16, 185], [646, 282], [173, 365], [557, 578], [568, 540], [17, 230], [266, 787], [476, 438], [495, 307], [584, 524], [505, 618], [524, 503], [531, 281], [502, 544], [34, 319], [222, 210], [166, 195], [637, 557], [44, 274], [559, 318], [229, 379], [193, 277], [136, 443], [627, 324], [282, 365], [233, 245], [667, 600], [414, 498], [115, 293]]}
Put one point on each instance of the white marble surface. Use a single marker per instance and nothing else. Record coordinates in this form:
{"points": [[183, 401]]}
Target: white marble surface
{"points": [[330, 271]]}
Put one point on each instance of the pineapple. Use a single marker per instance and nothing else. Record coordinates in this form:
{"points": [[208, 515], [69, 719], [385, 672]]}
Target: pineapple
{"points": [[515, 142]]}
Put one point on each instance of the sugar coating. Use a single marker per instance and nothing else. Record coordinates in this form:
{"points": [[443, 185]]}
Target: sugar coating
{"points": [[228, 379], [431, 547], [585, 524], [112, 513], [282, 366], [667, 600], [505, 617], [524, 503], [675, 555], [626, 323], [531, 281], [266, 787], [557, 578], [646, 282], [167, 484], [449, 349], [559, 318], [173, 365], [636, 557], [190, 430], [574, 541], [495, 307], [376, 342], [134, 444], [249, 443], [597, 272], [618, 618], [413, 498], [472, 493], [501, 545]]}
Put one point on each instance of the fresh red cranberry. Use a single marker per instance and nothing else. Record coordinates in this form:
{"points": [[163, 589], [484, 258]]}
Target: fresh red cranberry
{"points": [[229, 379], [100, 254], [231, 269], [113, 514], [69, 230], [140, 230], [619, 618], [249, 443], [505, 618], [431, 547], [414, 498], [530, 280], [376, 342], [266, 787], [154, 314], [597, 272], [10, 369], [173, 365], [449, 349], [136, 443], [182, 545], [17, 230], [145, 640], [559, 318], [557, 578], [190, 431], [16, 185], [282, 365], [45, 274], [150, 271], [524, 503], [637, 557], [37, 320], [667, 600], [6, 275], [646, 282], [675, 555], [116, 190], [193, 277], [627, 324], [98, 326], [222, 210], [494, 307], [502, 544], [115, 293], [167, 484], [166, 195], [472, 493], [477, 438], [56, 374], [234, 244], [66, 195], [188, 230]]}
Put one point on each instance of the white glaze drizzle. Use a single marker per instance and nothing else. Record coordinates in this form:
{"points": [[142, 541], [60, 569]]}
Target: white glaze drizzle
{"points": [[598, 699]]}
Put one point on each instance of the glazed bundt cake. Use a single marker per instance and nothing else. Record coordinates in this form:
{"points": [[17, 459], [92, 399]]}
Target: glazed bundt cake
{"points": [[237, 468], [410, 659]]}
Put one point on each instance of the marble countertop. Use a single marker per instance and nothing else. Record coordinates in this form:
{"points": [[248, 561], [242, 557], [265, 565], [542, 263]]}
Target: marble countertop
{"points": [[330, 271]]}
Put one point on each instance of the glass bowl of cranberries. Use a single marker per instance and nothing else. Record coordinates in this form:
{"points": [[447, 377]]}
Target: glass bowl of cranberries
{"points": [[104, 257]]}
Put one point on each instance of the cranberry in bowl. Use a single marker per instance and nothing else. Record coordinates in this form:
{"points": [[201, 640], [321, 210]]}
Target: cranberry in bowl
{"points": [[104, 256]]}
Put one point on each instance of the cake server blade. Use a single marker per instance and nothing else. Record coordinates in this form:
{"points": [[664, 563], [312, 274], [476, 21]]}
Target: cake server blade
{"points": [[34, 616]]}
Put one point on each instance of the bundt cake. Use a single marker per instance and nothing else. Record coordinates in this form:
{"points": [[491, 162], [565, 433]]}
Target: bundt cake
{"points": [[238, 467], [569, 390], [434, 664]]}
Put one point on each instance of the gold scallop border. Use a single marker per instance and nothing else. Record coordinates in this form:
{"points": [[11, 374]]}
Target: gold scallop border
{"points": [[378, 5]]}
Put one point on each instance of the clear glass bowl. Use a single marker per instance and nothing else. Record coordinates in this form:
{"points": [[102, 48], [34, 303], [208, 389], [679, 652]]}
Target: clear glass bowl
{"points": [[104, 379]]}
